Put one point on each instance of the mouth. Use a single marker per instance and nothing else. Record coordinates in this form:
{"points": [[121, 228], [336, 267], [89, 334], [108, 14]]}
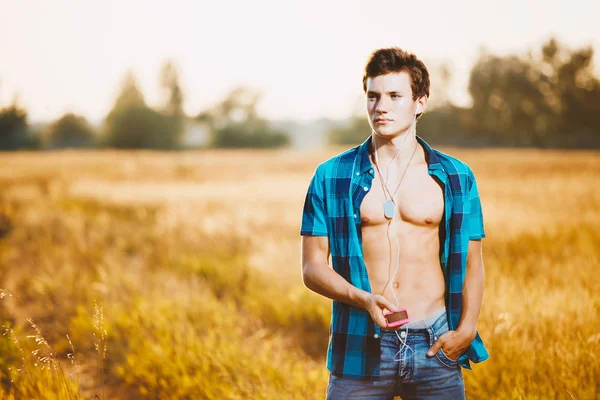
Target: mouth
{"points": [[382, 120]]}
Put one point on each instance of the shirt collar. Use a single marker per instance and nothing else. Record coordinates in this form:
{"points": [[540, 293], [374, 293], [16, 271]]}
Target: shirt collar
{"points": [[433, 161]]}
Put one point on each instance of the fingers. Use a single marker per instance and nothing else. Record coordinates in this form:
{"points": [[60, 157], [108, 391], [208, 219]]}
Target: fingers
{"points": [[379, 303], [378, 317], [439, 343], [383, 302], [380, 320], [435, 348]]}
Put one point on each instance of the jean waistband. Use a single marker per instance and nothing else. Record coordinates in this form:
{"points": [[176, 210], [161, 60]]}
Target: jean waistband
{"points": [[434, 321]]}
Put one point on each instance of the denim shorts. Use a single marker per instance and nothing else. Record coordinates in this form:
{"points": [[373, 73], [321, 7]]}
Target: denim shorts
{"points": [[406, 370]]}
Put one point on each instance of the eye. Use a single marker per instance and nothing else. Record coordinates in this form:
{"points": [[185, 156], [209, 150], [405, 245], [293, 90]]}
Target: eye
{"points": [[396, 96]]}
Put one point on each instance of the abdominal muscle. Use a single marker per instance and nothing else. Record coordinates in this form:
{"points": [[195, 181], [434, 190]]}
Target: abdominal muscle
{"points": [[419, 284]]}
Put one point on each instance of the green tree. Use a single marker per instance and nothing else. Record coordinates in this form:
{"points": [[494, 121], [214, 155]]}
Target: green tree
{"points": [[132, 124], [172, 101], [234, 122], [130, 95], [507, 103], [444, 125], [70, 131], [14, 130], [574, 90], [542, 99]]}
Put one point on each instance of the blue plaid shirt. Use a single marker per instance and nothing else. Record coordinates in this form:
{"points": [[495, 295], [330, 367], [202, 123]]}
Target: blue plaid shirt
{"points": [[332, 209]]}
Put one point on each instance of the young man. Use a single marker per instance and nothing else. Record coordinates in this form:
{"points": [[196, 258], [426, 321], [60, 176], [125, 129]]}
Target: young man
{"points": [[403, 224]]}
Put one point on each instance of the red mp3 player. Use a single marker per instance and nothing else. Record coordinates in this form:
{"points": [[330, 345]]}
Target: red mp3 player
{"points": [[395, 319]]}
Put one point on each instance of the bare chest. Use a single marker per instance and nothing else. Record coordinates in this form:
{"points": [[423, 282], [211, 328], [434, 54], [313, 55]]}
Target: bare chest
{"points": [[419, 200]]}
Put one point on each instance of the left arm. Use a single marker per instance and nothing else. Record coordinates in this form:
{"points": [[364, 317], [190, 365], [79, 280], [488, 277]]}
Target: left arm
{"points": [[472, 291], [455, 343]]}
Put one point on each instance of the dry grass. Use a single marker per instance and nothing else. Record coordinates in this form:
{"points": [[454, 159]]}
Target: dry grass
{"points": [[194, 259]]}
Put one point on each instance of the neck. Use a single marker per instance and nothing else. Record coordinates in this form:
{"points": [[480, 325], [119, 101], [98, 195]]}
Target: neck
{"points": [[403, 145]]}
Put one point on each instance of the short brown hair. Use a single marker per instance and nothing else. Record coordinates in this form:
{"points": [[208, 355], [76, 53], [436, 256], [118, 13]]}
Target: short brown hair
{"points": [[394, 59]]}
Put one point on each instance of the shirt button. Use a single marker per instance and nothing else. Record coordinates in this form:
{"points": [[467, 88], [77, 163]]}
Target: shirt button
{"points": [[371, 171], [358, 173], [375, 336], [354, 215], [365, 188], [403, 334]]}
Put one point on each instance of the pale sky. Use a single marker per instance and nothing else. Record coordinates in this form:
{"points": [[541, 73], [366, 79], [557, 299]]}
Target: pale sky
{"points": [[306, 57]]}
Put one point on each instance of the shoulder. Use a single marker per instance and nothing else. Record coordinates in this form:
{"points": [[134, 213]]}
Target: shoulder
{"points": [[339, 165], [459, 172], [454, 165]]}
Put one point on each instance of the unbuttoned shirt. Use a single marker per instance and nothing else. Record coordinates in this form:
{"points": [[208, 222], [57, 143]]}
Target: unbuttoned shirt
{"points": [[332, 209]]}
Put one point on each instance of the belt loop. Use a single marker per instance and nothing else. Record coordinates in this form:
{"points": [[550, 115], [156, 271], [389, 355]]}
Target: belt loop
{"points": [[430, 335]]}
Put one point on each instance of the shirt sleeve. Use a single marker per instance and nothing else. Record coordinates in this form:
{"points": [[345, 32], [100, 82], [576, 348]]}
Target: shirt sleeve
{"points": [[475, 217], [314, 217]]}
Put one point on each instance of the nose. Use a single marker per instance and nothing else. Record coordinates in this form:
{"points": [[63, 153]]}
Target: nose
{"points": [[382, 105]]}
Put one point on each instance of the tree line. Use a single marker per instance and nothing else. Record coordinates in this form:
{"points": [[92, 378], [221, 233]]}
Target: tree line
{"points": [[549, 97], [132, 123]]}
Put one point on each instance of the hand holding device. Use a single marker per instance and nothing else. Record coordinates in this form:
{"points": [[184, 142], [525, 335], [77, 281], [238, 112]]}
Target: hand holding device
{"points": [[397, 318], [376, 304]]}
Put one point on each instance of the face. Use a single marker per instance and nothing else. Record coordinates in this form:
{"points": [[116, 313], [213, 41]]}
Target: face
{"points": [[390, 104]]}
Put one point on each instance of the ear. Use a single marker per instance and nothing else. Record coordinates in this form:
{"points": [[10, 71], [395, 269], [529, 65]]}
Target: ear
{"points": [[421, 105]]}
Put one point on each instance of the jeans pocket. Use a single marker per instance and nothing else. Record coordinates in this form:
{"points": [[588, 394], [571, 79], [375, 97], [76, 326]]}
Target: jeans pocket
{"points": [[444, 359], [440, 355]]}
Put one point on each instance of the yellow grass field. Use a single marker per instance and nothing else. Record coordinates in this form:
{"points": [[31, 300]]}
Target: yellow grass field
{"points": [[162, 275]]}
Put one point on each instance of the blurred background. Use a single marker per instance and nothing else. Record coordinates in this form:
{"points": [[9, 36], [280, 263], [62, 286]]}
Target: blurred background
{"points": [[145, 74], [154, 160]]}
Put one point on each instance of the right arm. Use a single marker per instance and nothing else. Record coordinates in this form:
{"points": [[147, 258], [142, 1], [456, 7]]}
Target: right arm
{"points": [[320, 278]]}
